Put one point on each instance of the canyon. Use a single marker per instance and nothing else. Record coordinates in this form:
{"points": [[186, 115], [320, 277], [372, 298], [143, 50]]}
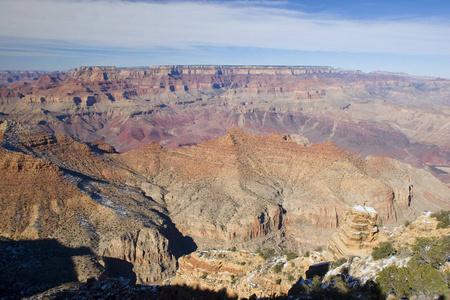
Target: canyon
{"points": [[142, 172], [394, 115], [146, 208]]}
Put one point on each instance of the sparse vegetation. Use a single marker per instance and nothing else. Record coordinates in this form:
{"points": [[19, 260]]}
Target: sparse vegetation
{"points": [[404, 252], [432, 251], [266, 253], [443, 217], [278, 267], [422, 272], [421, 280], [291, 255], [383, 250], [339, 262]]}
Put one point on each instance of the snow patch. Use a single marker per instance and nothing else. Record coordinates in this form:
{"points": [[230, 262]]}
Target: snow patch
{"points": [[365, 209]]}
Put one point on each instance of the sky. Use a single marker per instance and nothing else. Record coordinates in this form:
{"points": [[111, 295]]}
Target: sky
{"points": [[389, 35]]}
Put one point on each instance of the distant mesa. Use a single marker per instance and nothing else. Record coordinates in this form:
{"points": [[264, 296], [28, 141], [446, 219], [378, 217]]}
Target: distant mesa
{"points": [[379, 113]]}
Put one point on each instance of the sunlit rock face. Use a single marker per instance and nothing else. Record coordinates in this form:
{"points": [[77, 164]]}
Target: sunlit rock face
{"points": [[150, 206], [356, 235], [399, 116]]}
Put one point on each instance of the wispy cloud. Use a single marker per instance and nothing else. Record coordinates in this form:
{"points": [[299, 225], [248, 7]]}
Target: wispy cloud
{"points": [[146, 25]]}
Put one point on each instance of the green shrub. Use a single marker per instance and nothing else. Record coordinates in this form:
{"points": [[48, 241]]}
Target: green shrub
{"points": [[278, 281], [314, 289], [407, 223], [432, 251], [277, 268], [383, 250], [265, 254], [291, 278], [443, 217], [204, 275], [340, 286], [306, 254], [393, 280], [291, 255], [339, 262], [413, 280], [233, 249]]}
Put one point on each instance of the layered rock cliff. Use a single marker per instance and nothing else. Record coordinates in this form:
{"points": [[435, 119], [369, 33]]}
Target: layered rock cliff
{"points": [[147, 207], [55, 188], [356, 235], [242, 187], [370, 114]]}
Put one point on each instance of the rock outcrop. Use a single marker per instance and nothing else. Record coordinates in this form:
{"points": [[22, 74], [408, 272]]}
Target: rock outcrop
{"points": [[242, 273], [356, 235], [402, 238], [424, 223], [148, 251]]}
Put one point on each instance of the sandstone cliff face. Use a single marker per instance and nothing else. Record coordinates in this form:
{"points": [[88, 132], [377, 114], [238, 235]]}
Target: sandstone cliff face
{"points": [[242, 187], [147, 250], [356, 235], [63, 195]]}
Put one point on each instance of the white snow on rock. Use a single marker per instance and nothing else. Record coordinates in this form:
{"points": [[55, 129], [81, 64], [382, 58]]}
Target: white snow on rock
{"points": [[365, 209]]}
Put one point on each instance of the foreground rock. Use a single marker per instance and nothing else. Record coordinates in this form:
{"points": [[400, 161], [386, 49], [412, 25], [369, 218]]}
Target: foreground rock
{"points": [[243, 273]]}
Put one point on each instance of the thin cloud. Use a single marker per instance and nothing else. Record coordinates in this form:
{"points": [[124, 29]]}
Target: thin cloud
{"points": [[146, 25]]}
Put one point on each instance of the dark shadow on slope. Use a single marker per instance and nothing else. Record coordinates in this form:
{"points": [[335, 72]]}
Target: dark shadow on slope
{"points": [[177, 292], [30, 267], [318, 270], [179, 244], [119, 288], [338, 287], [118, 268]]}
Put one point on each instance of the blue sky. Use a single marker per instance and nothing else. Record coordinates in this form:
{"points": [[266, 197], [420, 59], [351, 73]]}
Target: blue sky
{"points": [[397, 36]]}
